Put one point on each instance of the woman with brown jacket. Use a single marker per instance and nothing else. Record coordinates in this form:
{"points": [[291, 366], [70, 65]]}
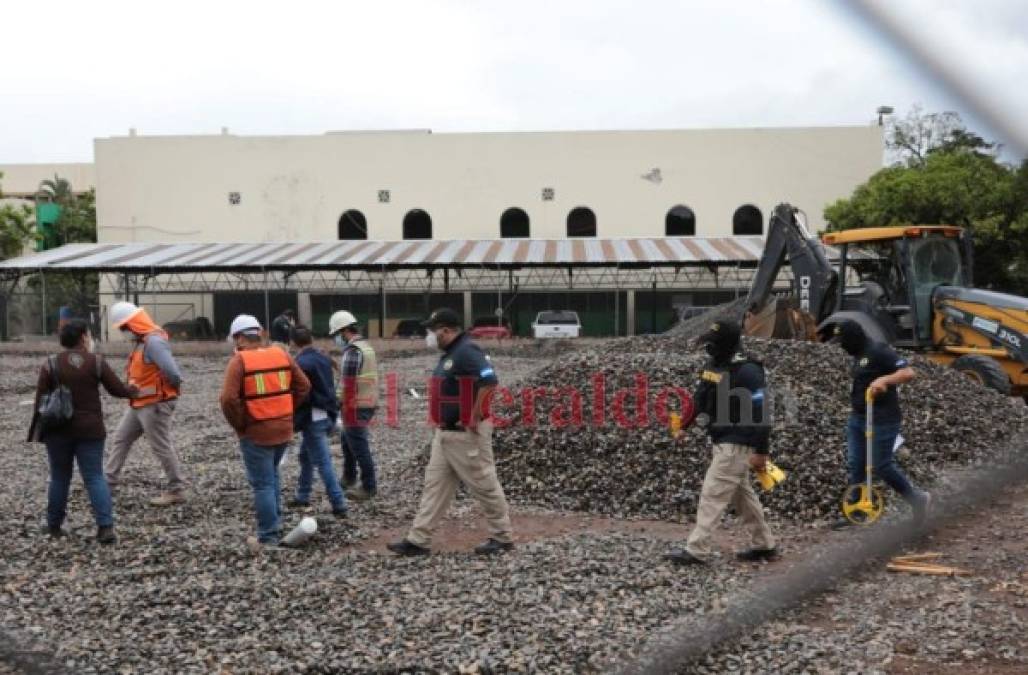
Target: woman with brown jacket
{"points": [[81, 439]]}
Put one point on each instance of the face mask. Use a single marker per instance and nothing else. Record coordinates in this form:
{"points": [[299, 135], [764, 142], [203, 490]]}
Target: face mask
{"points": [[432, 340], [90, 345], [127, 334], [852, 341], [717, 353], [340, 340]]}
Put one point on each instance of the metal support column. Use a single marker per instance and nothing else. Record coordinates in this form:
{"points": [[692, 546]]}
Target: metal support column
{"points": [[42, 286], [630, 310]]}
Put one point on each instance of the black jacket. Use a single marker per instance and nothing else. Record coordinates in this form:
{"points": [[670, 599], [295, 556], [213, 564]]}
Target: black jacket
{"points": [[732, 395]]}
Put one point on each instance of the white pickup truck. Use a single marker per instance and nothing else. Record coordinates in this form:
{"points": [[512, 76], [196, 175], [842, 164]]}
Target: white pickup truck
{"points": [[556, 324]]}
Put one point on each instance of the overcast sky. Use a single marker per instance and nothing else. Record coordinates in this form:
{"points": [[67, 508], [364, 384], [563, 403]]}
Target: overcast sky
{"points": [[73, 70]]}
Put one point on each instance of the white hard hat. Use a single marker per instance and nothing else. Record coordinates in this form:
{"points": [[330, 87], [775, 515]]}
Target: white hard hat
{"points": [[244, 323], [122, 312], [340, 320]]}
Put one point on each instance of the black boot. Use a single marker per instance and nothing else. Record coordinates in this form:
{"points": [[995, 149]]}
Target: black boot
{"points": [[54, 532], [757, 554], [105, 535], [406, 548], [492, 546]]}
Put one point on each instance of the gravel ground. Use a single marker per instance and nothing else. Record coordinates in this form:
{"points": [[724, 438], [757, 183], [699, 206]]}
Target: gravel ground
{"points": [[181, 593]]}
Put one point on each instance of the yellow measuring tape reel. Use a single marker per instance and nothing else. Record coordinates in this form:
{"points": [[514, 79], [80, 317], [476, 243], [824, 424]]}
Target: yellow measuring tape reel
{"points": [[864, 504]]}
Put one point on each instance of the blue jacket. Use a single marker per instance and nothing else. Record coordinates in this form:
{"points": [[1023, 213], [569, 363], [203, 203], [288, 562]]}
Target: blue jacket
{"points": [[318, 369]]}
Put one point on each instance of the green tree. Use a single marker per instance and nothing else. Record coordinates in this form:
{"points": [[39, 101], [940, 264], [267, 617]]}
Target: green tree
{"points": [[953, 179], [16, 228]]}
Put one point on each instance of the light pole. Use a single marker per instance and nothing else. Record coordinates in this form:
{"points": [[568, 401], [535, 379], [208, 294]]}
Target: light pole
{"points": [[882, 111]]}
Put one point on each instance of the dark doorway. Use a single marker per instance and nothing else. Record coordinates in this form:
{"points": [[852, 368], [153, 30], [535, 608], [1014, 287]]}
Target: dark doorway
{"points": [[353, 225], [748, 220], [581, 222], [680, 222], [417, 224], [514, 223]]}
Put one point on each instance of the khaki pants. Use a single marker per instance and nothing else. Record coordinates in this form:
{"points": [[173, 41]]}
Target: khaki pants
{"points": [[466, 457], [728, 482], [154, 422]]}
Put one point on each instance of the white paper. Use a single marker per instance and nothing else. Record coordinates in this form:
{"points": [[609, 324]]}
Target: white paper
{"points": [[317, 414], [898, 443]]}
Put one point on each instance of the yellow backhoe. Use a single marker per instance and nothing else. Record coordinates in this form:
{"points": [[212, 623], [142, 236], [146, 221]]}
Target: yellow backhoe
{"points": [[910, 286]]}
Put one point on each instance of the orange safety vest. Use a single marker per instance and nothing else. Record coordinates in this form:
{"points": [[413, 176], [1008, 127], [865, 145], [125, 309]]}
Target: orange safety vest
{"points": [[267, 382], [153, 388]]}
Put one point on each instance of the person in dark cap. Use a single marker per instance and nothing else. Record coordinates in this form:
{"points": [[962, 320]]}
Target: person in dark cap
{"points": [[729, 401], [281, 327], [878, 367], [462, 443]]}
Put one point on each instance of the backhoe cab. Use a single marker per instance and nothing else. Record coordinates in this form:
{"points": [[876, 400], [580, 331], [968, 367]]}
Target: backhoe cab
{"points": [[910, 286]]}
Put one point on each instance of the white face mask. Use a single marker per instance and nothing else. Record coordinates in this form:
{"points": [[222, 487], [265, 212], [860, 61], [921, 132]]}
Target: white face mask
{"points": [[340, 340], [127, 334], [432, 340]]}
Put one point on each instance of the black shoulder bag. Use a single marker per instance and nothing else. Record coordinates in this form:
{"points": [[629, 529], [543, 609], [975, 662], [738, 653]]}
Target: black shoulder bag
{"points": [[55, 406]]}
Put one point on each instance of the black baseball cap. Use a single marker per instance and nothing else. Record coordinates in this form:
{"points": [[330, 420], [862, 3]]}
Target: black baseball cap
{"points": [[722, 333], [443, 317]]}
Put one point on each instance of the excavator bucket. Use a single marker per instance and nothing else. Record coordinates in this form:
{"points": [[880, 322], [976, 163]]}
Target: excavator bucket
{"points": [[781, 320]]}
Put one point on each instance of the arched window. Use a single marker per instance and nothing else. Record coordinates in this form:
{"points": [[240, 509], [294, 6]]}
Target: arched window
{"points": [[353, 225], [747, 220], [680, 221], [513, 223], [417, 224], [581, 222]]}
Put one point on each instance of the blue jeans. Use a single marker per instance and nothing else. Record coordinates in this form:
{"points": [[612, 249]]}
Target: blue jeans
{"points": [[357, 452], [63, 453], [261, 464], [314, 454], [882, 456]]}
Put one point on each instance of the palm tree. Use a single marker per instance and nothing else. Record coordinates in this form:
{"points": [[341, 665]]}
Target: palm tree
{"points": [[57, 191]]}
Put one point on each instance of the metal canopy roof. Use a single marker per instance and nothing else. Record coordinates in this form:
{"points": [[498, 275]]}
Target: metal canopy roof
{"points": [[373, 255]]}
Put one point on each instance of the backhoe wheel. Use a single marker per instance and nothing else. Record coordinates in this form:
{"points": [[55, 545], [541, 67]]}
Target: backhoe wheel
{"points": [[984, 370]]}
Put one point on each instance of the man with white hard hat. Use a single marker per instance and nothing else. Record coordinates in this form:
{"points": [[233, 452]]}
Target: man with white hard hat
{"points": [[152, 368], [262, 387], [359, 399]]}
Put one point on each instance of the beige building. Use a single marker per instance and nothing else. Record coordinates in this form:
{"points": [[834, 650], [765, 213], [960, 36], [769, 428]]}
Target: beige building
{"points": [[458, 186]]}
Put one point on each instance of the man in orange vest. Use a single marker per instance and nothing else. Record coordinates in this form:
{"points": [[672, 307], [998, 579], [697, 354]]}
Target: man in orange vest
{"points": [[151, 368], [263, 386]]}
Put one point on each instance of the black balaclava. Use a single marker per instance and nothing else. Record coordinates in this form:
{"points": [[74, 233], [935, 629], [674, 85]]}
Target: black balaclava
{"points": [[721, 342], [851, 337]]}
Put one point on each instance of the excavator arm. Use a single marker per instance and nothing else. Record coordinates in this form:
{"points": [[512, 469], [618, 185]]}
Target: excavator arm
{"points": [[812, 285]]}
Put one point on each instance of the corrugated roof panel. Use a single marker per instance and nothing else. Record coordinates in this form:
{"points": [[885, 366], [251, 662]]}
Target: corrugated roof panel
{"points": [[593, 251], [707, 251], [477, 254], [227, 255], [536, 252], [167, 252], [563, 252], [680, 250], [446, 254], [320, 252], [390, 255], [410, 253], [423, 250], [623, 251], [652, 251]]}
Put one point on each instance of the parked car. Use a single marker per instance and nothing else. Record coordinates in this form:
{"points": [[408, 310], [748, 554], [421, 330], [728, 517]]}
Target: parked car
{"points": [[560, 323], [409, 328], [199, 328], [489, 327]]}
